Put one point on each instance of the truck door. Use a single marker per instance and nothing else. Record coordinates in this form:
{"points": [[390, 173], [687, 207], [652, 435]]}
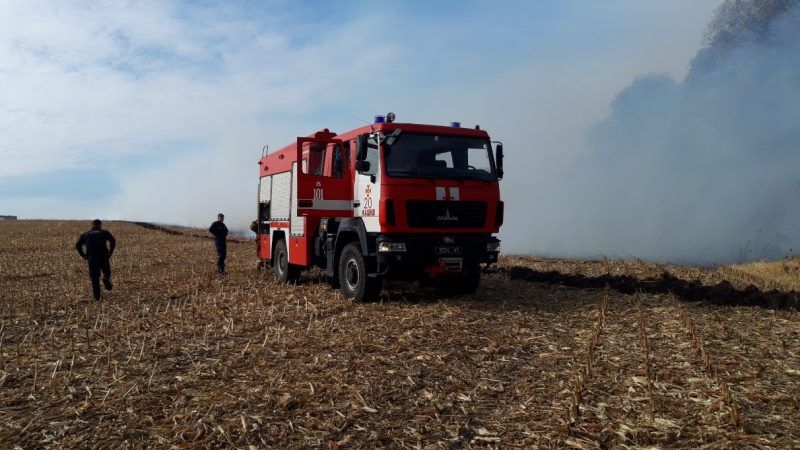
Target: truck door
{"points": [[324, 179]]}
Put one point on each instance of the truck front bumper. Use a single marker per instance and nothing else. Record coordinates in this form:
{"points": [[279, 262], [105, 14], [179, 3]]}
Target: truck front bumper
{"points": [[413, 257]]}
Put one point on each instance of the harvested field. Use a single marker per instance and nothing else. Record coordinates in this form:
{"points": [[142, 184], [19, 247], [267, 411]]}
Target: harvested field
{"points": [[179, 356], [783, 275]]}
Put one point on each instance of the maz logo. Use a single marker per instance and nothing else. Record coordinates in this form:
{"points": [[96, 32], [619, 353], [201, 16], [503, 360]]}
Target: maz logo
{"points": [[447, 217]]}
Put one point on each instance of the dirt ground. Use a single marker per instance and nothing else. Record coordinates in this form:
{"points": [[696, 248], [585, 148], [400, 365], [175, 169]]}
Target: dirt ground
{"points": [[178, 356]]}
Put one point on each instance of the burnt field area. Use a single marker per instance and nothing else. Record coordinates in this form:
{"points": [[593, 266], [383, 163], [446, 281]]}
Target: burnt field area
{"points": [[179, 356]]}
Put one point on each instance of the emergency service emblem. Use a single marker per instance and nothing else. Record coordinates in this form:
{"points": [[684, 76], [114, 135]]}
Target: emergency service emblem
{"points": [[367, 209]]}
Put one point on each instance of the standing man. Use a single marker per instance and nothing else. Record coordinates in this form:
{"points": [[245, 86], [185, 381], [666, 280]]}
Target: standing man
{"points": [[99, 246], [220, 232]]}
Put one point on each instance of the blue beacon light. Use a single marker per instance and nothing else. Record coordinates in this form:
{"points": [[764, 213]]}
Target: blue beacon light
{"points": [[380, 119], [455, 124]]}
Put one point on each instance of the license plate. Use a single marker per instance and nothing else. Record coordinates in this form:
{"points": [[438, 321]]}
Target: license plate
{"points": [[448, 250]]}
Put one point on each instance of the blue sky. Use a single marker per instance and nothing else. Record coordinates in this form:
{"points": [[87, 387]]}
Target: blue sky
{"points": [[157, 110]]}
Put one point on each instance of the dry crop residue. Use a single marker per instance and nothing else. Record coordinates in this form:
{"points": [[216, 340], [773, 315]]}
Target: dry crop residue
{"points": [[177, 355]]}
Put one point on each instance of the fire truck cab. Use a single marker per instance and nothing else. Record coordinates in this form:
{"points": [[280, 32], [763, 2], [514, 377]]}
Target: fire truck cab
{"points": [[384, 201]]}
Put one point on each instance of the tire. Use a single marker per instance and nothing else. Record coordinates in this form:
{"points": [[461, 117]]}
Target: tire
{"points": [[470, 279], [284, 272], [353, 280]]}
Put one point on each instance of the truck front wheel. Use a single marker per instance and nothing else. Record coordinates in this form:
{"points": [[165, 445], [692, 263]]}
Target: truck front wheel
{"points": [[353, 279], [471, 279], [284, 272]]}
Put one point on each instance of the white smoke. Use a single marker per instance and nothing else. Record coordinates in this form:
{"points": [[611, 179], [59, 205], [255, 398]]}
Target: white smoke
{"points": [[696, 171]]}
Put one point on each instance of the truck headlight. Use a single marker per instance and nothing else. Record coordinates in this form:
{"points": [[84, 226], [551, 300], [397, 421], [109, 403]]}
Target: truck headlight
{"points": [[493, 246], [385, 247]]}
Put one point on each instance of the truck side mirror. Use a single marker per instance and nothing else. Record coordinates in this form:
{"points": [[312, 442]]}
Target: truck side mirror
{"points": [[362, 166], [361, 147], [499, 160]]}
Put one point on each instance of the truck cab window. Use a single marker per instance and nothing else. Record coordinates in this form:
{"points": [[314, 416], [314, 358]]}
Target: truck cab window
{"points": [[315, 158], [435, 156], [372, 156], [476, 159], [374, 161], [446, 158], [338, 161]]}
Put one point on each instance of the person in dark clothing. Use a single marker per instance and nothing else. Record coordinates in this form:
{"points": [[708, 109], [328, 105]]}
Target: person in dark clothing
{"points": [[96, 246], [220, 232]]}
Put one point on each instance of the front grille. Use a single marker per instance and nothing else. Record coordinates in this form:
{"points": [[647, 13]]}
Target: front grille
{"points": [[445, 214]]}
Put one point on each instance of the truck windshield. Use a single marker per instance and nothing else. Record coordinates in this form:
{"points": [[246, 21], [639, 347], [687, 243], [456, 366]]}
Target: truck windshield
{"points": [[431, 156]]}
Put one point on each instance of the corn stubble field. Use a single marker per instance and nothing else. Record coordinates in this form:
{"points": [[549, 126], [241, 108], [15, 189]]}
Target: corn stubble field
{"points": [[179, 356]]}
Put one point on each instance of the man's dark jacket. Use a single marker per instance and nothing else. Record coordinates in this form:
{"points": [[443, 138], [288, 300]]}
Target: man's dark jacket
{"points": [[95, 241], [219, 230]]}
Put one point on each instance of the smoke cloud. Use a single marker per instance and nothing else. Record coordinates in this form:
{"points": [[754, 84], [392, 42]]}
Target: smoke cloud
{"points": [[701, 170]]}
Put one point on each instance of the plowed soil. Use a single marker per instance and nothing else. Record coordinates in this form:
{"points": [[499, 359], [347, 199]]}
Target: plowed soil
{"points": [[179, 356]]}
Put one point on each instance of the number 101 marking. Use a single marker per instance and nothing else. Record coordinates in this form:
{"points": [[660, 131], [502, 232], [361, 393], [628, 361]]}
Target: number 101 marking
{"points": [[317, 193]]}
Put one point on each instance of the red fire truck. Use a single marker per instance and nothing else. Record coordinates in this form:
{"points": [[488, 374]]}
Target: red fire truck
{"points": [[384, 201]]}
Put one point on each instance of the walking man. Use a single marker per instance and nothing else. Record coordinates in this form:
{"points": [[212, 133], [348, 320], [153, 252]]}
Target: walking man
{"points": [[220, 232], [96, 246]]}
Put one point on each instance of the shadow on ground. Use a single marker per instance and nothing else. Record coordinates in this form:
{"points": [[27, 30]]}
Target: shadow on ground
{"points": [[722, 293]]}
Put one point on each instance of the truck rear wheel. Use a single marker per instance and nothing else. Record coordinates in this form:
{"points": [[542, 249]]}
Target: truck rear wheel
{"points": [[284, 272], [353, 279]]}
